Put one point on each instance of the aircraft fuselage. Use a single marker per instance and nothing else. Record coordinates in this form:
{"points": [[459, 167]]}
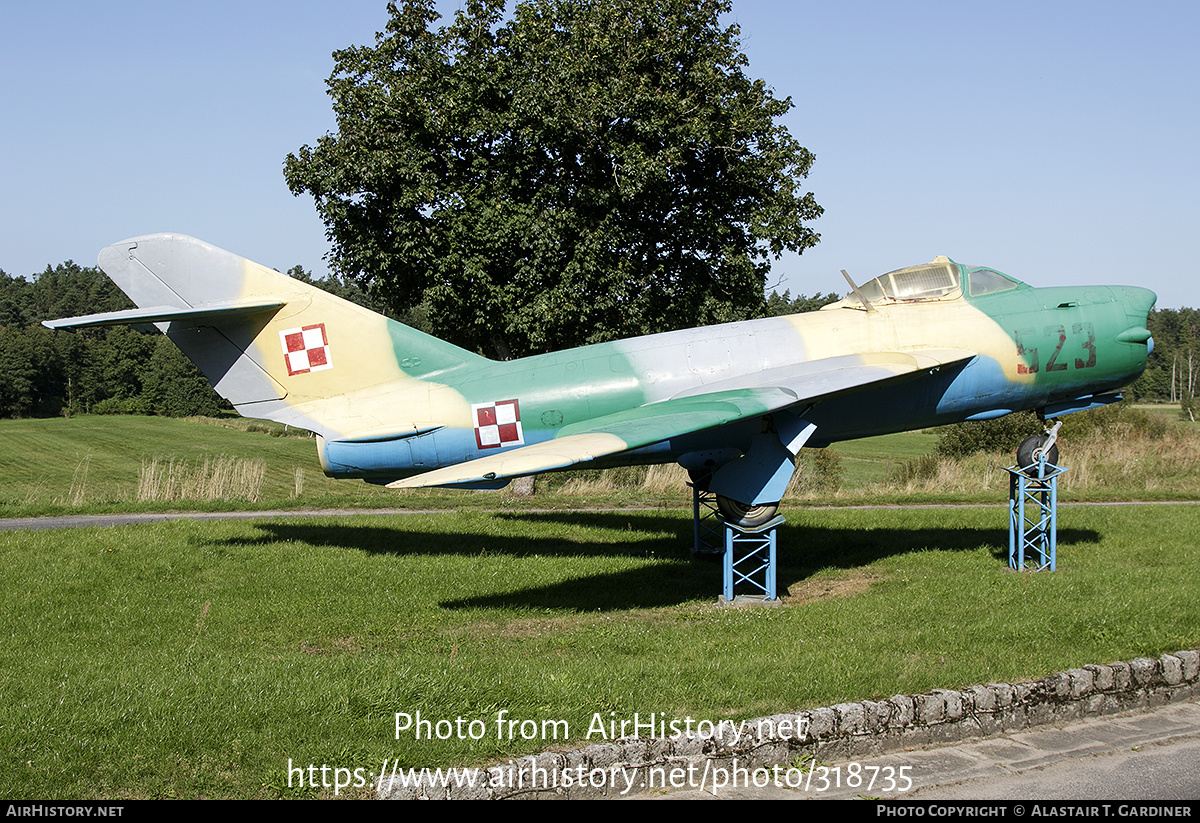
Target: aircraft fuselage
{"points": [[1035, 347]]}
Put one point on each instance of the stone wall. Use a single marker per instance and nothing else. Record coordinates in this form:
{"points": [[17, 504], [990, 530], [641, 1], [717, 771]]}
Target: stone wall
{"points": [[833, 733]]}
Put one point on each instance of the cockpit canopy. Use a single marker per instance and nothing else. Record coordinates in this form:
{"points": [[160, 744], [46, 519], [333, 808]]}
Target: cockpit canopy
{"points": [[940, 280]]}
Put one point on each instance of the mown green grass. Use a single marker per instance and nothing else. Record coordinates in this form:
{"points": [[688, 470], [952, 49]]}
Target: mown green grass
{"points": [[875, 459], [91, 464], [194, 659]]}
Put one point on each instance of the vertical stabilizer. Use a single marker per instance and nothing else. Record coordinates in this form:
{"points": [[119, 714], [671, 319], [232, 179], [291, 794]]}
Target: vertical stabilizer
{"points": [[275, 347]]}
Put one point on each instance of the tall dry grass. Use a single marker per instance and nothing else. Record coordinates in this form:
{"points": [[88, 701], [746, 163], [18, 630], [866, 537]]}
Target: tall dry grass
{"points": [[1119, 457], [217, 478], [818, 472], [1119, 453], [1127, 459], [77, 493], [664, 479]]}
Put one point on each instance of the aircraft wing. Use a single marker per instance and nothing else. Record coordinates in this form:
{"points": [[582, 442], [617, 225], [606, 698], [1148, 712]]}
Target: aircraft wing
{"points": [[611, 434], [815, 380], [714, 405]]}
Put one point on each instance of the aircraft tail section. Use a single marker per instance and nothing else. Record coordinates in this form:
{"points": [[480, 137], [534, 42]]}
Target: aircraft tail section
{"points": [[275, 347]]}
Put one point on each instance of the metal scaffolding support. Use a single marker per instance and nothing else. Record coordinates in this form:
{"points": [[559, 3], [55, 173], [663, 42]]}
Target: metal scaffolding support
{"points": [[707, 526], [1033, 516], [748, 554], [750, 561]]}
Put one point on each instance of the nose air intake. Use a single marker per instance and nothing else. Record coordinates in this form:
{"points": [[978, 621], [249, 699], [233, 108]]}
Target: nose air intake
{"points": [[1138, 302], [1136, 334]]}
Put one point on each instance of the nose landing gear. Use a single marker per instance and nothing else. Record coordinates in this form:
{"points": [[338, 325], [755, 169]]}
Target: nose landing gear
{"points": [[1038, 448]]}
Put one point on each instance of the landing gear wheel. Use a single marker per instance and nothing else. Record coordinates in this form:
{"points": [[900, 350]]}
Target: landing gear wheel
{"points": [[1029, 453], [741, 514]]}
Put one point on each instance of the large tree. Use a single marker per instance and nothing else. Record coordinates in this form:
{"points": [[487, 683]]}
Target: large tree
{"points": [[577, 171]]}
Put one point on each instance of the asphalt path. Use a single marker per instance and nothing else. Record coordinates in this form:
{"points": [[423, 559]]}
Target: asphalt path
{"points": [[74, 521], [79, 521]]}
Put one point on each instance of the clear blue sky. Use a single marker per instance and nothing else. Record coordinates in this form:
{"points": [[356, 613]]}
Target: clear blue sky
{"points": [[1055, 141]]}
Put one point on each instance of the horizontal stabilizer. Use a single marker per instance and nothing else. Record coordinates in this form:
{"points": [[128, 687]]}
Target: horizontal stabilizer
{"points": [[164, 314]]}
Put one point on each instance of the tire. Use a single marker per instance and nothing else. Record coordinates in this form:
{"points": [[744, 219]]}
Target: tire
{"points": [[740, 514], [1030, 450]]}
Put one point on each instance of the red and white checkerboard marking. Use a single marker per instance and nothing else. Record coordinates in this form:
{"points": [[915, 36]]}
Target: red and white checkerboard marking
{"points": [[306, 349], [497, 424]]}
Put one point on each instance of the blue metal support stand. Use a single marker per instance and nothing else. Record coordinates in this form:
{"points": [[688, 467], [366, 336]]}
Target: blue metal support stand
{"points": [[1033, 516], [750, 560], [748, 553]]}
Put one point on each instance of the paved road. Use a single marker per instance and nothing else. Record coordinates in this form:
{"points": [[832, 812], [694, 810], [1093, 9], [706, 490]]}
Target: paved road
{"points": [[85, 520], [1145, 756], [74, 521]]}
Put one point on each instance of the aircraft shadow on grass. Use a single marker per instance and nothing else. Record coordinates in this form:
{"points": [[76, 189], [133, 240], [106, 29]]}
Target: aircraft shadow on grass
{"points": [[803, 550]]}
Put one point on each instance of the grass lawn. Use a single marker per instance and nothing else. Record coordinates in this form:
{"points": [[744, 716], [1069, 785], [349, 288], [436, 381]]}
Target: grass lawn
{"points": [[194, 659], [875, 459], [92, 464]]}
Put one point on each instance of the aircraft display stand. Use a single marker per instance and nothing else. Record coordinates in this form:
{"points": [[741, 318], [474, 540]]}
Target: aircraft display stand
{"points": [[748, 553], [708, 529], [1033, 517], [750, 562]]}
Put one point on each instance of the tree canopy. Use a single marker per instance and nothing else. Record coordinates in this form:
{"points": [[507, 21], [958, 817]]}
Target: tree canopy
{"points": [[571, 173]]}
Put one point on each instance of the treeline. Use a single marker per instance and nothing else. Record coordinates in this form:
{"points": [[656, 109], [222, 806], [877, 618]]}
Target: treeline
{"points": [[108, 370], [1173, 368], [117, 370], [113, 370]]}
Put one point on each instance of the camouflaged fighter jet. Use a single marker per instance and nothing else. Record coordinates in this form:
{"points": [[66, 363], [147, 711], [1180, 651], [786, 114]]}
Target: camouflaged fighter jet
{"points": [[733, 404]]}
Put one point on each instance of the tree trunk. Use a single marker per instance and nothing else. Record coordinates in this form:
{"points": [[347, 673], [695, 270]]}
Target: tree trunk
{"points": [[523, 486]]}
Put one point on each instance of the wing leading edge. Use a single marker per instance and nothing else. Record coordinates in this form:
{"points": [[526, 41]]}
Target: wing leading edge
{"points": [[758, 394]]}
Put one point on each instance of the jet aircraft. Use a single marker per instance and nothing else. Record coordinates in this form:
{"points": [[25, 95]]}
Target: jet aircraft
{"points": [[733, 404]]}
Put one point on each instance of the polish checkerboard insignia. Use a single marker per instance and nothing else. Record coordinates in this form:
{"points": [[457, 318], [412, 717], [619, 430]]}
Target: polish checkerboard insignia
{"points": [[497, 424], [306, 349]]}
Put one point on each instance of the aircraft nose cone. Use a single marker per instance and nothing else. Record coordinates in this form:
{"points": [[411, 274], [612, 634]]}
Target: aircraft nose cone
{"points": [[1138, 303]]}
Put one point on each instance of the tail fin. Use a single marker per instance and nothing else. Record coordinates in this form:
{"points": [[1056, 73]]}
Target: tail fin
{"points": [[275, 347]]}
